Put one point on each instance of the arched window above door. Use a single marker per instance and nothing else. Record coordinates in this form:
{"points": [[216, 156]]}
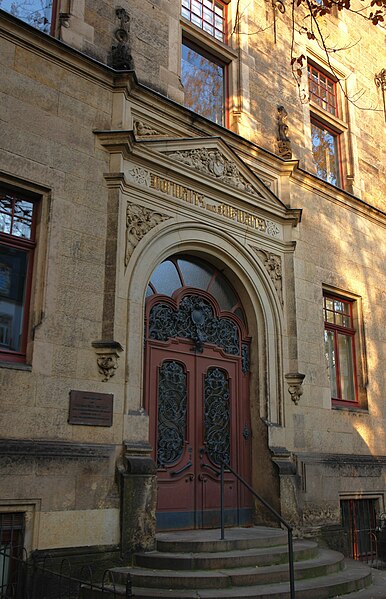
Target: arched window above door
{"points": [[186, 271]]}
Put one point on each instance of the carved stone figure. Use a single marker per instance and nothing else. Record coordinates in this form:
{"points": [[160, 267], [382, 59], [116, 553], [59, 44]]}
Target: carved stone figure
{"points": [[139, 221], [121, 52], [141, 129], [283, 141]]}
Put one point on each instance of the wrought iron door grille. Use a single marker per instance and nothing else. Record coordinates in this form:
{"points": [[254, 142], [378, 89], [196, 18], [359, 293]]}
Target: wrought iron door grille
{"points": [[359, 522]]}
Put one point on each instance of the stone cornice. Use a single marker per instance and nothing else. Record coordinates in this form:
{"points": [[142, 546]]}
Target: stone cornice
{"points": [[332, 459], [41, 448]]}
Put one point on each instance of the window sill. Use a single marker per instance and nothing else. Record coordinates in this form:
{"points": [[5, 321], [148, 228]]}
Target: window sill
{"points": [[15, 366], [350, 409]]}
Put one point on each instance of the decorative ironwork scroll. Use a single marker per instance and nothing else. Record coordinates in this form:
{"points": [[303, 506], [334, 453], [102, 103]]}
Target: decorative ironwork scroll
{"points": [[194, 319], [217, 416], [172, 411], [245, 358]]}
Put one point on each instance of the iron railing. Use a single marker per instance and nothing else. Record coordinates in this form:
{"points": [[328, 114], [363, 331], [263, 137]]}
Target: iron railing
{"points": [[226, 467], [26, 578]]}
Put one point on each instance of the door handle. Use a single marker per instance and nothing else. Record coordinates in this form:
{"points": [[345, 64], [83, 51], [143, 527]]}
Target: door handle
{"points": [[175, 472]]}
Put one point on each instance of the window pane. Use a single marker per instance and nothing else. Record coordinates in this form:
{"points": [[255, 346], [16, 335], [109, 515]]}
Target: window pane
{"points": [[165, 278], [37, 13], [13, 272], [223, 293], [329, 350], [195, 275], [325, 153], [203, 81], [346, 367]]}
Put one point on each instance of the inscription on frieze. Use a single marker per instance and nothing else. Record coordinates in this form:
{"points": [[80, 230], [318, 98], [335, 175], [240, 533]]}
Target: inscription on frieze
{"points": [[143, 177]]}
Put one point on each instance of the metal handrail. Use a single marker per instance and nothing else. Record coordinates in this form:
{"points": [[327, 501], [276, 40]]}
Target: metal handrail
{"points": [[272, 510]]}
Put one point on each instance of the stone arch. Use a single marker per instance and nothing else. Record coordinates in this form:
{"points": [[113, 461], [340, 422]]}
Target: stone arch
{"points": [[253, 285]]}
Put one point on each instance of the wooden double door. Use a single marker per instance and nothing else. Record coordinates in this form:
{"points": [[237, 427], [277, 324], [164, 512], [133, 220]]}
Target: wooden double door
{"points": [[197, 400]]}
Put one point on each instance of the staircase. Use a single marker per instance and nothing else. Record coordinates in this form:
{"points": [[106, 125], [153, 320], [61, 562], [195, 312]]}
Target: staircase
{"points": [[250, 562]]}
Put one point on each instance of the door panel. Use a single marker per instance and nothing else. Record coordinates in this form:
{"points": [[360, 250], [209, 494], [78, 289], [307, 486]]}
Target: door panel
{"points": [[197, 400]]}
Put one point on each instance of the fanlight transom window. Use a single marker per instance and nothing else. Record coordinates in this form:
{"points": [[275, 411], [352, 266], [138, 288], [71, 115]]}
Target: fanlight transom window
{"points": [[183, 271]]}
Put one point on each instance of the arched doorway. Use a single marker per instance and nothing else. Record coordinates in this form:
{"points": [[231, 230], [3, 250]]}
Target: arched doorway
{"points": [[196, 393]]}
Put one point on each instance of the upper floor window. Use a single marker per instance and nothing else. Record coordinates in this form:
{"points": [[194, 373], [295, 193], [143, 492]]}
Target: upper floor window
{"points": [[203, 78], [17, 243], [339, 342], [209, 15], [38, 13], [325, 151], [326, 126], [322, 90]]}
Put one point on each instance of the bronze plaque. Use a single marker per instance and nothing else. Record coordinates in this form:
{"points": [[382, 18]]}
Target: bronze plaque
{"points": [[91, 409]]}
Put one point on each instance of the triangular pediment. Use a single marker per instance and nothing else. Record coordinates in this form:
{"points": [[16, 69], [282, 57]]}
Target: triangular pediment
{"points": [[213, 161]]}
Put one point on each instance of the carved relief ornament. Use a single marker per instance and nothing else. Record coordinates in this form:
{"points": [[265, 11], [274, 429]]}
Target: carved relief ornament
{"points": [[212, 162], [141, 129], [139, 221], [283, 141], [273, 266], [107, 353]]}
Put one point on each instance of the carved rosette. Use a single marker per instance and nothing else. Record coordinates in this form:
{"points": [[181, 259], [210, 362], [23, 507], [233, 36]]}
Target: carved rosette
{"points": [[139, 221], [107, 357], [273, 266], [213, 163]]}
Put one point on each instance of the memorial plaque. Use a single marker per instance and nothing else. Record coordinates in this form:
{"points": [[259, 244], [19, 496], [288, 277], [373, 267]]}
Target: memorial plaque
{"points": [[91, 409]]}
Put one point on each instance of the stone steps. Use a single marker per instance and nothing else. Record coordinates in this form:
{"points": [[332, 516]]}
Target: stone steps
{"points": [[250, 562]]}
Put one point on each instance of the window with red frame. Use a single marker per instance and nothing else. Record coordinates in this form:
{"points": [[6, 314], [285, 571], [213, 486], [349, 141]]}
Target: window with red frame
{"points": [[209, 15], [38, 13], [322, 90], [17, 243], [325, 151], [339, 344], [204, 79]]}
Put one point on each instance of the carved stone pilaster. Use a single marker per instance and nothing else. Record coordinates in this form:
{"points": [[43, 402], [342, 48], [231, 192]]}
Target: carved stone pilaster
{"points": [[295, 388], [139, 221], [107, 357], [273, 266], [283, 141]]}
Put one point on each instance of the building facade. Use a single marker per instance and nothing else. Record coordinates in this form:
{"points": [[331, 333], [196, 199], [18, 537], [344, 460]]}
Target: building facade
{"points": [[192, 271]]}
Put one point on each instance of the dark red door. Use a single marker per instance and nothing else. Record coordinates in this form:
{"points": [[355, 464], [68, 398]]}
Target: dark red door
{"points": [[197, 400]]}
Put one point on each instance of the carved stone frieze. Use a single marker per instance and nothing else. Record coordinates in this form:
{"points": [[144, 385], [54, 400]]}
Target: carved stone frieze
{"points": [[139, 221], [212, 162], [273, 265]]}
